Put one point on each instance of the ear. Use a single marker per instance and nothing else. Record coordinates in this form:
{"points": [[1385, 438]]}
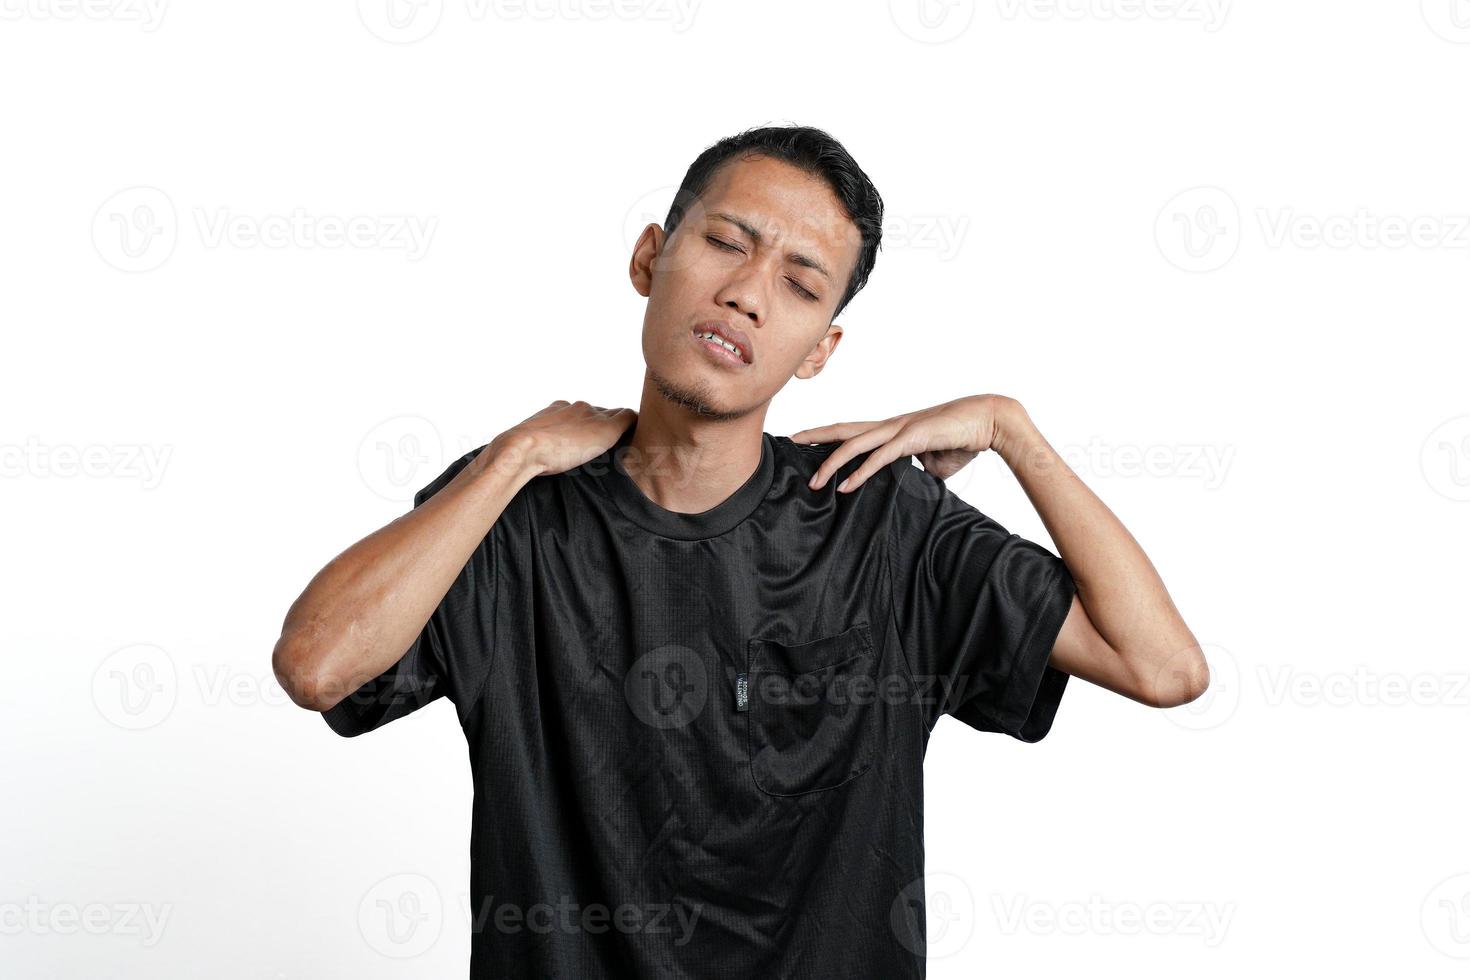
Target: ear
{"points": [[645, 253], [817, 359]]}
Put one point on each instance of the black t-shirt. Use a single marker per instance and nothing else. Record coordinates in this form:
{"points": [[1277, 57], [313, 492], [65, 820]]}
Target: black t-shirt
{"points": [[697, 739]]}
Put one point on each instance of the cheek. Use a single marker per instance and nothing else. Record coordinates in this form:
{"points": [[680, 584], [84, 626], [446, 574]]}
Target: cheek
{"points": [[780, 361], [673, 288], [684, 263]]}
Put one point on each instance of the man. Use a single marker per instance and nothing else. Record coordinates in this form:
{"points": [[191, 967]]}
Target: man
{"points": [[697, 664]]}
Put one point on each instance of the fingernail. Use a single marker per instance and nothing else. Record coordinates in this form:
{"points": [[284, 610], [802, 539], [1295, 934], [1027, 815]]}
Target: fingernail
{"points": [[842, 486]]}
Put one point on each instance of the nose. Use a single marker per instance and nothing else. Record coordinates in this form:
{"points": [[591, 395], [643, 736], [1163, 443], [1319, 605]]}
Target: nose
{"points": [[742, 297]]}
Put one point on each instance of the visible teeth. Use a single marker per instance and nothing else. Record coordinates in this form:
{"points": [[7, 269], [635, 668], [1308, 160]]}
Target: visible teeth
{"points": [[708, 335]]}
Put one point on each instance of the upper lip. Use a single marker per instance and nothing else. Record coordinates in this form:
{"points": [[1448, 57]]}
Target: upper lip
{"points": [[731, 333]]}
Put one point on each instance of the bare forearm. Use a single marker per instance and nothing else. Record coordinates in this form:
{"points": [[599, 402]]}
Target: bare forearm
{"points": [[364, 609], [1118, 586]]}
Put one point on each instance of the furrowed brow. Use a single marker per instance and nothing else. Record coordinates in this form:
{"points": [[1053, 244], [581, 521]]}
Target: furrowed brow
{"points": [[796, 258]]}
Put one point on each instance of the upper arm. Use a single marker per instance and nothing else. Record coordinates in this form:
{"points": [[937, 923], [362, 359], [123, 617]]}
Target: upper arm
{"points": [[450, 655]]}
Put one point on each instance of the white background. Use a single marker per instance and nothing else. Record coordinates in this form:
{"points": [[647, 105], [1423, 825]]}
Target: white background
{"points": [[1220, 252]]}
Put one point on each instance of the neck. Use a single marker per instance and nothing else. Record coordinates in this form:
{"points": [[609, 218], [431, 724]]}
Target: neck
{"points": [[687, 464]]}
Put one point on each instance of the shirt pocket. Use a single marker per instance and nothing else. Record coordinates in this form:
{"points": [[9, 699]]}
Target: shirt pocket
{"points": [[809, 711]]}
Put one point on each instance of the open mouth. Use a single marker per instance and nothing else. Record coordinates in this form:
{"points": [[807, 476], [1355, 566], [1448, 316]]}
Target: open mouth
{"points": [[720, 347]]}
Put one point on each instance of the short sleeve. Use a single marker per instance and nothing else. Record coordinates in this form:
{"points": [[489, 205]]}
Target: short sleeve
{"points": [[977, 610], [449, 657]]}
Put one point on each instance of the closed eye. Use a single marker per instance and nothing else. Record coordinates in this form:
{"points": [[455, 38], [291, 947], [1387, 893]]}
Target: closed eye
{"points": [[796, 287], [721, 243]]}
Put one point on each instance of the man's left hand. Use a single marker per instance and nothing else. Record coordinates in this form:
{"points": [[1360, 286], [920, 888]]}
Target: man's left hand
{"points": [[944, 438]]}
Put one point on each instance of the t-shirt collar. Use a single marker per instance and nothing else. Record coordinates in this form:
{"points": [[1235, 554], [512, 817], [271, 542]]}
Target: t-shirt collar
{"points": [[635, 505]]}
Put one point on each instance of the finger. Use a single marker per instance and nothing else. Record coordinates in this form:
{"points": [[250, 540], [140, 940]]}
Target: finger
{"points": [[858, 444], [835, 432], [876, 460]]}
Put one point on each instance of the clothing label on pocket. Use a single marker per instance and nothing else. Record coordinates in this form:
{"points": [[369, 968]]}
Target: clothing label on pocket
{"points": [[742, 692]]}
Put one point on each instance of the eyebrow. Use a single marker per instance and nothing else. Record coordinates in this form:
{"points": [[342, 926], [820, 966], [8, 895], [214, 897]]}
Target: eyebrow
{"points": [[797, 258]]}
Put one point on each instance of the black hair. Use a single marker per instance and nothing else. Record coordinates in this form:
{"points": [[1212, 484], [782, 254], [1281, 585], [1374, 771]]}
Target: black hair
{"points": [[814, 151]]}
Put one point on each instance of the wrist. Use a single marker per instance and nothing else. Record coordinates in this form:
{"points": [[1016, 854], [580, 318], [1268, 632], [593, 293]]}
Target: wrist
{"points": [[510, 456], [1016, 436], [1012, 428]]}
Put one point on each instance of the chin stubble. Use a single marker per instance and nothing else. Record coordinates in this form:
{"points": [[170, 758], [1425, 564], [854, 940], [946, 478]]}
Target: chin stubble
{"points": [[694, 399]]}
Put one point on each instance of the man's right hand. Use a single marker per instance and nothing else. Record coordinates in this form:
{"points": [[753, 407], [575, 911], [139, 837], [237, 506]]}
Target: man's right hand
{"points": [[361, 612], [560, 437]]}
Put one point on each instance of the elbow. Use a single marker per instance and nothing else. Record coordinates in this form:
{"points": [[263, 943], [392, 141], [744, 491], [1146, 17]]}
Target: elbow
{"points": [[1187, 690], [301, 671], [1181, 676]]}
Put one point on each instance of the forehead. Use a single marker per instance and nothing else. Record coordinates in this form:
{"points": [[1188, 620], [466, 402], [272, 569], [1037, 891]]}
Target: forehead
{"points": [[792, 208]]}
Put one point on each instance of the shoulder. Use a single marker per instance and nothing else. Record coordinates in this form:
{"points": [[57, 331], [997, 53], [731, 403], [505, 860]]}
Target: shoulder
{"points": [[803, 459]]}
